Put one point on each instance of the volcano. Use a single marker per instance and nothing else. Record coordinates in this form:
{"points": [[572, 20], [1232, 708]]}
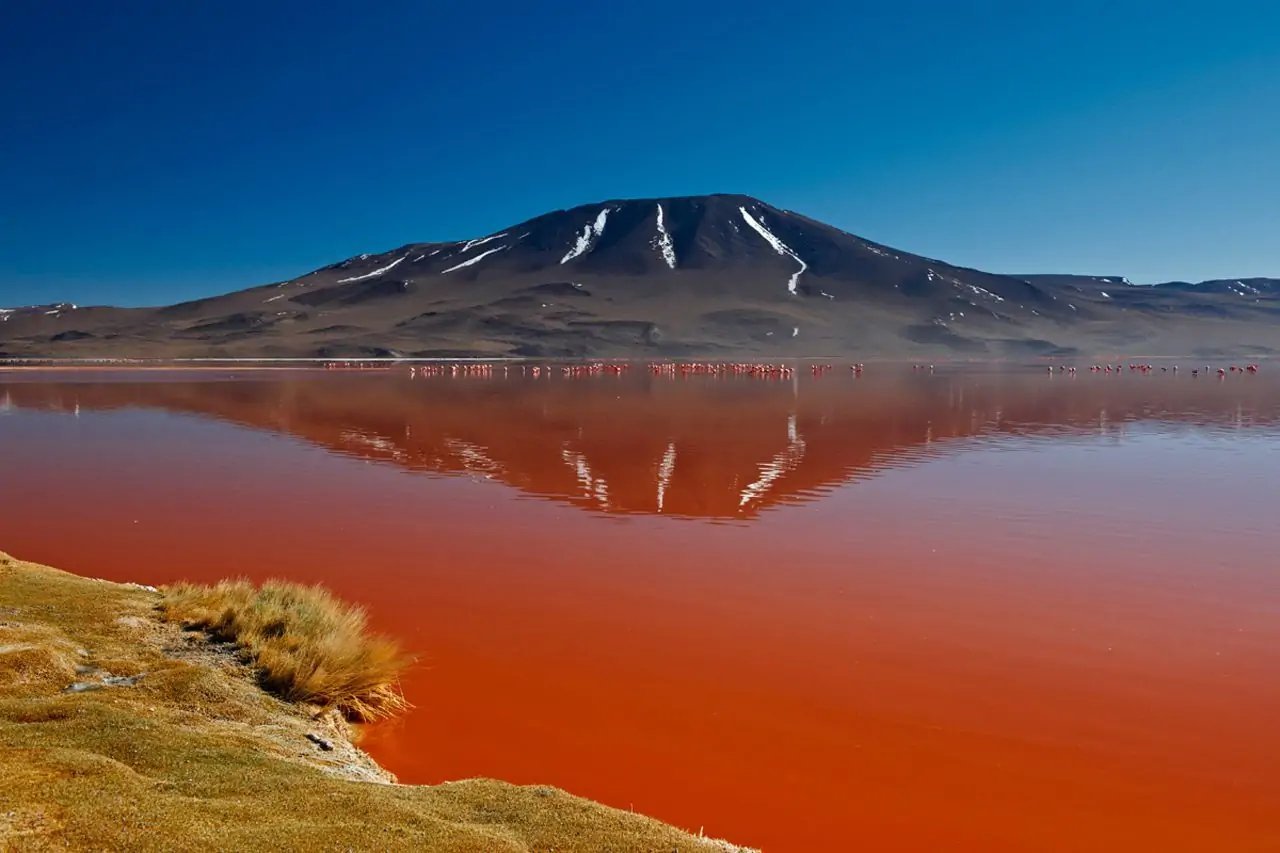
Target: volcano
{"points": [[699, 276]]}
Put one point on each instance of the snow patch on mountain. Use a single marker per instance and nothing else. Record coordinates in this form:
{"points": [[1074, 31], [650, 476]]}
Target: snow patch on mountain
{"points": [[778, 246], [591, 232], [982, 291], [663, 241], [476, 259], [876, 250], [373, 274], [479, 241]]}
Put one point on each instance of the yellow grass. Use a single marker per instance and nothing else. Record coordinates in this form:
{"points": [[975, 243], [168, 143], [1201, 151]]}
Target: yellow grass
{"points": [[171, 744], [307, 645]]}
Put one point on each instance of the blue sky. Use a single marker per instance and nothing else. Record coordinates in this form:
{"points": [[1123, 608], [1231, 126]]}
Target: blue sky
{"points": [[151, 152]]}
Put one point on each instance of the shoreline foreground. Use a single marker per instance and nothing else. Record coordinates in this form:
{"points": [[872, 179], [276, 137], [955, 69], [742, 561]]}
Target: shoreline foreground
{"points": [[120, 730]]}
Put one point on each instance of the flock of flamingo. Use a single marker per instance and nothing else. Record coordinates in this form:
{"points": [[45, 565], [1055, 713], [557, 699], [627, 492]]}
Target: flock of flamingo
{"points": [[674, 369], [740, 368], [577, 371], [1149, 368]]}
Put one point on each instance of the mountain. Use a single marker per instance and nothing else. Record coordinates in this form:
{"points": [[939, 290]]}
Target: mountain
{"points": [[715, 276]]}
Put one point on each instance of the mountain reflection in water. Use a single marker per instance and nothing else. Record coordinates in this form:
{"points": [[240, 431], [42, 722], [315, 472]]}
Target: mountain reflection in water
{"points": [[697, 447]]}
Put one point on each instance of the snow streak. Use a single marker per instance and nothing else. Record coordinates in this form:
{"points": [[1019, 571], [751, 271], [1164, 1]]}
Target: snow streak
{"points": [[778, 246], [663, 241], [471, 261], [586, 240], [471, 244], [982, 291], [373, 274]]}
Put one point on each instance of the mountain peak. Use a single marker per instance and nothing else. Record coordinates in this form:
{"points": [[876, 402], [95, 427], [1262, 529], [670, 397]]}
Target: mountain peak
{"points": [[719, 199]]}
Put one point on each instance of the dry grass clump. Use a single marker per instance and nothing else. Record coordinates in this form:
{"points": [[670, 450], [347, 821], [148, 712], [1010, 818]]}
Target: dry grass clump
{"points": [[307, 645]]}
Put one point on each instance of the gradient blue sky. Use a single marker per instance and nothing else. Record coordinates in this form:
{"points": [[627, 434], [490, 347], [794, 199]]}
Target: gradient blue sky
{"points": [[151, 152]]}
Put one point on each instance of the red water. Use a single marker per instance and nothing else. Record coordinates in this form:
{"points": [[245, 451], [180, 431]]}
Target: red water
{"points": [[962, 611]]}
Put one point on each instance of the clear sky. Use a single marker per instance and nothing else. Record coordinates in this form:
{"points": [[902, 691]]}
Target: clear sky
{"points": [[151, 152]]}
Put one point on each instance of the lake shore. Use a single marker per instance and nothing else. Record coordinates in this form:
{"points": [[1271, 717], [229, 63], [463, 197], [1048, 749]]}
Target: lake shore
{"points": [[119, 730]]}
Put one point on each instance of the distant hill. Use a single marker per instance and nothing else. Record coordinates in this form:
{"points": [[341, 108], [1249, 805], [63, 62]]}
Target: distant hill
{"points": [[714, 276]]}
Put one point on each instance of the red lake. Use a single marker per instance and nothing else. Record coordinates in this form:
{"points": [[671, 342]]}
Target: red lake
{"points": [[976, 609]]}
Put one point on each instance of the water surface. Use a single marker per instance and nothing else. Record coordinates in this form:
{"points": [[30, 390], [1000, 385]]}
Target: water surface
{"points": [[977, 609]]}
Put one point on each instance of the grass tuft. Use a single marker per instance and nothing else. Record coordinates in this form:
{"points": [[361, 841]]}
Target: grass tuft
{"points": [[307, 645], [31, 655]]}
